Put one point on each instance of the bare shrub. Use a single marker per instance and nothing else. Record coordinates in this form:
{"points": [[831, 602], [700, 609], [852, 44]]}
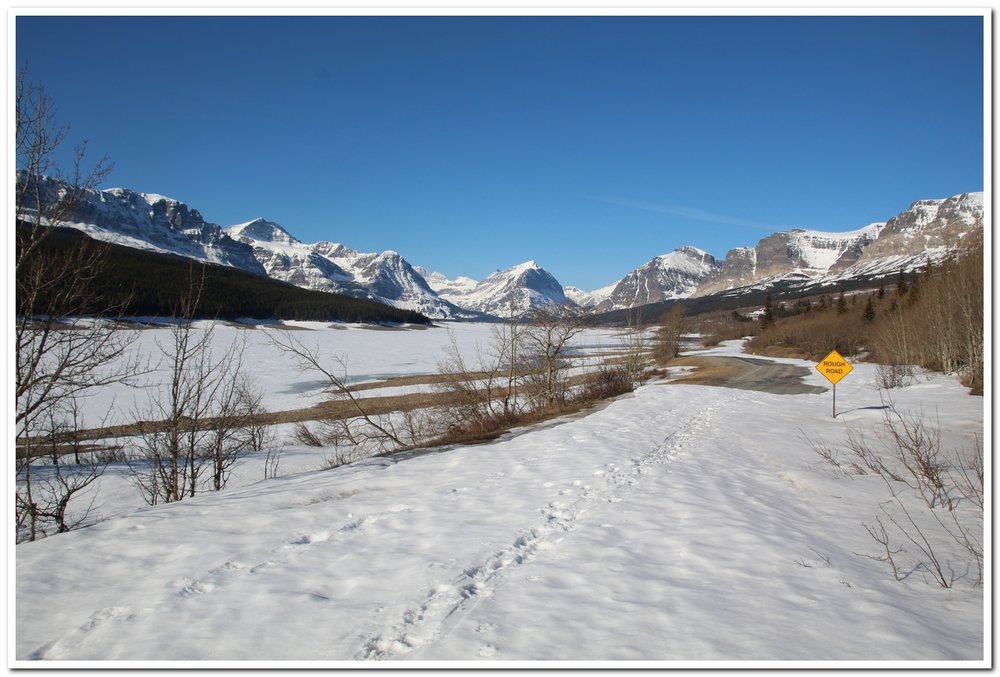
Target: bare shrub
{"points": [[888, 553], [198, 427], [606, 382], [938, 324], [667, 342], [889, 376], [813, 334], [304, 435], [719, 327], [484, 398], [376, 434], [929, 559], [868, 458], [59, 470], [916, 446], [637, 348], [913, 445], [968, 474], [859, 459]]}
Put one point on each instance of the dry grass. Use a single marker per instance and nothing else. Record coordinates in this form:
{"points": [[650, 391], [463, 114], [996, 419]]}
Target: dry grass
{"points": [[708, 372]]}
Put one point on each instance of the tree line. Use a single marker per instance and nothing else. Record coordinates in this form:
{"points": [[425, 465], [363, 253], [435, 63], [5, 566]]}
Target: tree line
{"points": [[133, 282]]}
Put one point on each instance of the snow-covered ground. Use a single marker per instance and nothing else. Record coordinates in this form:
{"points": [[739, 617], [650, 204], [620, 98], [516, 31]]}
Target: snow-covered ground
{"points": [[679, 525]]}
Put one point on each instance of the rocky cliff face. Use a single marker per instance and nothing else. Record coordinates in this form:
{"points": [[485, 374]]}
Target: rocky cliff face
{"points": [[285, 258], [327, 266], [792, 255], [670, 276], [929, 230], [155, 223]]}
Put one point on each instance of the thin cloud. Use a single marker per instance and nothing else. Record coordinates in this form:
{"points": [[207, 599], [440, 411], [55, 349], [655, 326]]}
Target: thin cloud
{"points": [[690, 213]]}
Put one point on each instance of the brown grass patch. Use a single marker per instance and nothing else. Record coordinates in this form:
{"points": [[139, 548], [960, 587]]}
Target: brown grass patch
{"points": [[707, 371]]}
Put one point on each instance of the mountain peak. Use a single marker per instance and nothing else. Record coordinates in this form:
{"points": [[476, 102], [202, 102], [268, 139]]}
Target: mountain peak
{"points": [[527, 265], [261, 230]]}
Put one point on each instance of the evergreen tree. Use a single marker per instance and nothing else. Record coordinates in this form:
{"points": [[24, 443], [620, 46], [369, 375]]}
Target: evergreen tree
{"points": [[901, 287], [767, 319], [841, 303], [869, 312]]}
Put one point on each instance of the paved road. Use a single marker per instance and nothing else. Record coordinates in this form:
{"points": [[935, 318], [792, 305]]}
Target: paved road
{"points": [[747, 373]]}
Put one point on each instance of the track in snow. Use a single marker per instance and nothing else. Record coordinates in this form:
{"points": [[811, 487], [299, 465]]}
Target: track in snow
{"points": [[444, 604]]}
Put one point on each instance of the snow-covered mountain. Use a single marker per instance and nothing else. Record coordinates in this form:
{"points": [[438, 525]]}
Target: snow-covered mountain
{"points": [[154, 223], [929, 230], [588, 299], [521, 288], [442, 285], [671, 276], [796, 254], [328, 266]]}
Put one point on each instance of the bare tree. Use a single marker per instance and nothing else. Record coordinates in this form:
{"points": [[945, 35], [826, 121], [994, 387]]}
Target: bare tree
{"points": [[58, 357], [472, 391], [637, 348], [672, 327], [548, 334], [197, 422], [507, 340], [369, 434], [60, 471]]}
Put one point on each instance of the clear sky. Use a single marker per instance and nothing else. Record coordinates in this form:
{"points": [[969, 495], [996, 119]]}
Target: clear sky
{"points": [[469, 144]]}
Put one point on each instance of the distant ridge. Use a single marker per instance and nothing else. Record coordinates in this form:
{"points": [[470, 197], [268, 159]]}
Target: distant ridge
{"points": [[929, 230]]}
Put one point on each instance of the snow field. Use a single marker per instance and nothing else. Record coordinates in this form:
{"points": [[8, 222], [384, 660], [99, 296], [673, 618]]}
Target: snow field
{"points": [[681, 524]]}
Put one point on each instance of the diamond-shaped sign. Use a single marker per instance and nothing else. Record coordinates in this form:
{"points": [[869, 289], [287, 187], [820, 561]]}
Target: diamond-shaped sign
{"points": [[834, 367]]}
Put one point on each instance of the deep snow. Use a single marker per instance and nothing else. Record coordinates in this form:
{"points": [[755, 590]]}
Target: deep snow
{"points": [[679, 525]]}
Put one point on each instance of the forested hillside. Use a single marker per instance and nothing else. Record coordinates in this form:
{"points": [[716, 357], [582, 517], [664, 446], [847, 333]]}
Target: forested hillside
{"points": [[139, 283]]}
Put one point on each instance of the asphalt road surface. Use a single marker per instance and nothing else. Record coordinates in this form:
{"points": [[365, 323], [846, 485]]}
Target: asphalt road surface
{"points": [[747, 373]]}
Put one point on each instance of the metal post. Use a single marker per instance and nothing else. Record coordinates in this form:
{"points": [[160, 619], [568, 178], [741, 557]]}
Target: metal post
{"points": [[835, 400]]}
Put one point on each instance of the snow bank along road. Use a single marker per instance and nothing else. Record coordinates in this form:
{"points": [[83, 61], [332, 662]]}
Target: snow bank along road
{"points": [[682, 523]]}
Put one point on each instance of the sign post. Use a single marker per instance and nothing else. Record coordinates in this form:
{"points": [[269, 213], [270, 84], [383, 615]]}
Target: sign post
{"points": [[834, 367]]}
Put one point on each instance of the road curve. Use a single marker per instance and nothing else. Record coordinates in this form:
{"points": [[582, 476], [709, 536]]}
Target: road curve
{"points": [[746, 373]]}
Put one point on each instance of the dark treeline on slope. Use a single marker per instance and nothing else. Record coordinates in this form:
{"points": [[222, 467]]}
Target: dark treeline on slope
{"points": [[739, 299], [137, 283]]}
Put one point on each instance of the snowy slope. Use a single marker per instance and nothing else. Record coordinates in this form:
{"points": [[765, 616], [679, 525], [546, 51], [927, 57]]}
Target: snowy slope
{"points": [[328, 266], [154, 223], [798, 255], [587, 299], [684, 524], [521, 287], [441, 284], [928, 230], [670, 276]]}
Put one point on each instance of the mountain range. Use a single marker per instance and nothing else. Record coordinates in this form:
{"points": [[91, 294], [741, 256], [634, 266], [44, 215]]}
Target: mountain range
{"points": [[929, 230]]}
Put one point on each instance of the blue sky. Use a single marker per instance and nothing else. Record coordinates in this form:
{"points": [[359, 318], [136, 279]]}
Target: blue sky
{"points": [[469, 144]]}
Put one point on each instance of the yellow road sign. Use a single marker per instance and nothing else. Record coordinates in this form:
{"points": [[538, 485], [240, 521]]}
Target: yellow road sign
{"points": [[834, 367]]}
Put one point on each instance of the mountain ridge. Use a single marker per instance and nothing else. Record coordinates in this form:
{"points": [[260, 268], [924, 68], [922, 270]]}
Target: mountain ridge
{"points": [[929, 230]]}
